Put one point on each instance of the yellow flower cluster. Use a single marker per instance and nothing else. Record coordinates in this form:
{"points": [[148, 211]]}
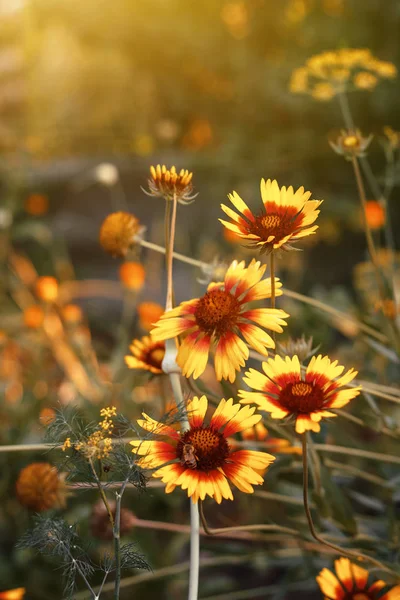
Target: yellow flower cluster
{"points": [[327, 74], [99, 443]]}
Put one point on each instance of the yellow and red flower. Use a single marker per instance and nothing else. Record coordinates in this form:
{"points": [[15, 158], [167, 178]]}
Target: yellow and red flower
{"points": [[217, 319], [286, 217], [200, 460], [147, 354], [351, 583], [283, 391]]}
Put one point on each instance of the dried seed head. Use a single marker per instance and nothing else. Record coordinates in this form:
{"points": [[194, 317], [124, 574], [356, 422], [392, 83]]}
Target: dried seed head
{"points": [[41, 487], [100, 525], [118, 232]]}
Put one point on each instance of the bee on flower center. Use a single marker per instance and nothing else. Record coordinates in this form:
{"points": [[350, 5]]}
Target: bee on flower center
{"points": [[188, 456], [203, 449]]}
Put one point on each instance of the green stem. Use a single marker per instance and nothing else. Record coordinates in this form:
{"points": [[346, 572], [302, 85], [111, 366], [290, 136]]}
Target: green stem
{"points": [[352, 555]]}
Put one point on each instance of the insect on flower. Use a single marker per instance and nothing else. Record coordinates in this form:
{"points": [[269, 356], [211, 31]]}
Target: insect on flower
{"points": [[188, 457]]}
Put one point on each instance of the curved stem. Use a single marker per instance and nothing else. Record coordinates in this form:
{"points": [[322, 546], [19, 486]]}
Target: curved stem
{"points": [[258, 527], [353, 555]]}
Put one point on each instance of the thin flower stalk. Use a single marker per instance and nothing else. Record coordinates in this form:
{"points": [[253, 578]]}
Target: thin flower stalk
{"points": [[170, 366]]}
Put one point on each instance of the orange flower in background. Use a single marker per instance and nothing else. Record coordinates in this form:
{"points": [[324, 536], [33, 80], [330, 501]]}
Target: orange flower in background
{"points": [[283, 391], [117, 233], [204, 463], [350, 582], [37, 204], [47, 289], [132, 275], [259, 433], [149, 313], [47, 416], [216, 320], [147, 355], [15, 594], [40, 487], [374, 214], [33, 316], [72, 313], [286, 217]]}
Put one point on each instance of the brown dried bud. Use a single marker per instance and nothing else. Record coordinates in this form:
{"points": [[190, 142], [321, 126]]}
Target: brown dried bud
{"points": [[41, 487], [117, 233], [100, 525]]}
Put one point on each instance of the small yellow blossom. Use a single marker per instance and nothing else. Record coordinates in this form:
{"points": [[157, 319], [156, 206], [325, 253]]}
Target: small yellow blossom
{"points": [[336, 71], [66, 444], [365, 80]]}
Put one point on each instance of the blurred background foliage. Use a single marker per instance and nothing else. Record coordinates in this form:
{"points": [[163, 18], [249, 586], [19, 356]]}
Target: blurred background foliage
{"points": [[203, 86]]}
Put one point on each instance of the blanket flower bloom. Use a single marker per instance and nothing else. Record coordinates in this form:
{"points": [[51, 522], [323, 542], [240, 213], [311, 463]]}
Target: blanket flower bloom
{"points": [[200, 460], [351, 583], [147, 355], [283, 391], [286, 217], [217, 319]]}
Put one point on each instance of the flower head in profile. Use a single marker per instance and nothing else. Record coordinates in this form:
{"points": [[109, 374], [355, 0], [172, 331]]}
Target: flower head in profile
{"points": [[219, 318], [283, 390], [351, 143], [333, 72], [200, 459], [168, 183], [350, 582], [146, 354], [286, 216]]}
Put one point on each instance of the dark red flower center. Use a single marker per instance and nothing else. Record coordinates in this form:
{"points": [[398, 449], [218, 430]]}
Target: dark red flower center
{"points": [[217, 312], [278, 224], [302, 397], [155, 355], [203, 449]]}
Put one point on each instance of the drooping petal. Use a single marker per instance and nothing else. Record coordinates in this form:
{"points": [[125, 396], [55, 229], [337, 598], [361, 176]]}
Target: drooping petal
{"points": [[305, 423], [252, 458], [193, 353], [231, 353]]}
